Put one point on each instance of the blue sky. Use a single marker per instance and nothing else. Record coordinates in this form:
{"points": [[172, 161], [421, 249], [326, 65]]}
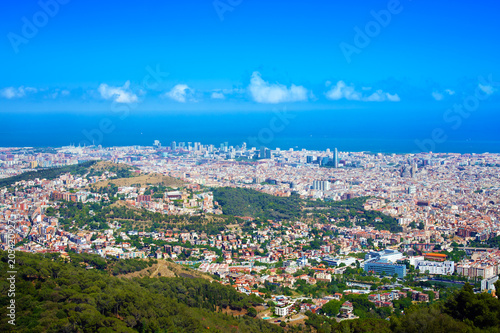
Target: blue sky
{"points": [[246, 55]]}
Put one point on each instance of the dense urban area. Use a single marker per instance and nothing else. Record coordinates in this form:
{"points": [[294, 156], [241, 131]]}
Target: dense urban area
{"points": [[274, 239]]}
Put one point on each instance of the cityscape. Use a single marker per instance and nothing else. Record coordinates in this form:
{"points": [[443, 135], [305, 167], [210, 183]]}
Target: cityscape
{"points": [[416, 222], [234, 166]]}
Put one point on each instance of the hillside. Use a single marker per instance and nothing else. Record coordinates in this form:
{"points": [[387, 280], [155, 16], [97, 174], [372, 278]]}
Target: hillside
{"points": [[73, 214], [57, 296], [165, 268], [109, 166], [248, 202], [64, 295], [143, 180], [52, 173]]}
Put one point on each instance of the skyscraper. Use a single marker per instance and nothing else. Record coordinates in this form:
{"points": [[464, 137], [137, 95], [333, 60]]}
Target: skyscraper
{"points": [[336, 158], [173, 145], [414, 169]]}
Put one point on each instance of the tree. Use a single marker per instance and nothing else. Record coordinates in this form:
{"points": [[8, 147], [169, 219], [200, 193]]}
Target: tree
{"points": [[332, 308], [426, 320], [252, 312]]}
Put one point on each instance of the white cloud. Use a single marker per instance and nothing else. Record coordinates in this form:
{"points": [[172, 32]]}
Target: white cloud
{"points": [[55, 94], [393, 98], [180, 93], [233, 91], [12, 92], [218, 95], [437, 96], [487, 89], [118, 94], [31, 90], [265, 92], [343, 91]]}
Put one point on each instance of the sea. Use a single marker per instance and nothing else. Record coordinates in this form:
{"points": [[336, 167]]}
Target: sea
{"points": [[351, 130]]}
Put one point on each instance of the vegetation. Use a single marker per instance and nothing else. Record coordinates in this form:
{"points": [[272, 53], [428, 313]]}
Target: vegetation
{"points": [[53, 296], [347, 212], [464, 311], [94, 216], [57, 296], [327, 325], [76, 169], [331, 308], [121, 171], [113, 266], [142, 180], [455, 255], [247, 202], [493, 242]]}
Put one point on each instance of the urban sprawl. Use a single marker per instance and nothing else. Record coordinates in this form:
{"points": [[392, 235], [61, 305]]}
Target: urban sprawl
{"points": [[444, 210]]}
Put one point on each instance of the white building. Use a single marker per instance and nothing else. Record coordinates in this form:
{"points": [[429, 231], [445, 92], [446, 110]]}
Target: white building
{"points": [[327, 277], [283, 311], [338, 261], [413, 260], [302, 262], [289, 263], [435, 268], [322, 185], [389, 255]]}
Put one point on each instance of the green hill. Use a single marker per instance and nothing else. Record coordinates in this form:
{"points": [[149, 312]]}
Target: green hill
{"points": [[48, 173], [248, 202], [54, 296]]}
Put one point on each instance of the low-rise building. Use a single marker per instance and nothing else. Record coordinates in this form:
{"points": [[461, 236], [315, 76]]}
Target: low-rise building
{"points": [[435, 268], [382, 267]]}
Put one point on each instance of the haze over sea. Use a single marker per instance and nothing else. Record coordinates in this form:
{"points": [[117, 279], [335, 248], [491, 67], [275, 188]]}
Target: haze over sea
{"points": [[352, 130], [378, 76]]}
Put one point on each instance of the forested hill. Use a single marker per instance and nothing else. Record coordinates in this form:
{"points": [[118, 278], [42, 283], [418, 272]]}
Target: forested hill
{"points": [[248, 202], [52, 173], [52, 295], [56, 296]]}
